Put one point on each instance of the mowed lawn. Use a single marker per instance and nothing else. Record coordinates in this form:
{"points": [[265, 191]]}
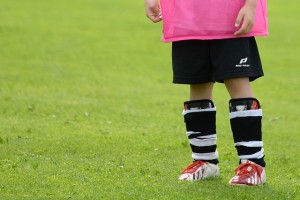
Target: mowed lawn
{"points": [[88, 110]]}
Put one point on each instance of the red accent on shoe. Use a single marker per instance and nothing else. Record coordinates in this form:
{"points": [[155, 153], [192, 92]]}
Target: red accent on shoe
{"points": [[249, 174], [193, 167], [199, 170]]}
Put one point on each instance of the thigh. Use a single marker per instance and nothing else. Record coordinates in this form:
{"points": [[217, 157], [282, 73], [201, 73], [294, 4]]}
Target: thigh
{"points": [[191, 62]]}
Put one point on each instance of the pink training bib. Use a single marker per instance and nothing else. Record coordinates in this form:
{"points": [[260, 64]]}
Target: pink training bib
{"points": [[207, 19]]}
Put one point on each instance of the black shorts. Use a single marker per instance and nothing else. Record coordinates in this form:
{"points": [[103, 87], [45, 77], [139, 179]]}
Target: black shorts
{"points": [[203, 61]]}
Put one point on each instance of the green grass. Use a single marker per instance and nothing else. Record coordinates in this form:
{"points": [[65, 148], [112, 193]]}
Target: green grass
{"points": [[88, 111]]}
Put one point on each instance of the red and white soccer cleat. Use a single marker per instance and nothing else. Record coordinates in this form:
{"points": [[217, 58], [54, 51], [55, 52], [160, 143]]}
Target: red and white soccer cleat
{"points": [[249, 174], [199, 170]]}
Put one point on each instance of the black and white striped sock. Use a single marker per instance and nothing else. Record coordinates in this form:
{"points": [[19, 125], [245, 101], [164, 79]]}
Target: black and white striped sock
{"points": [[245, 120], [200, 120]]}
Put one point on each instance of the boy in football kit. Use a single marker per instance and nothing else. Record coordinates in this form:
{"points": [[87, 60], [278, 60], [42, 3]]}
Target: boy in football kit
{"points": [[213, 41]]}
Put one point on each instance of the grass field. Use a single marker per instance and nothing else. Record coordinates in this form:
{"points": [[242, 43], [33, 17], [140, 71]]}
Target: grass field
{"points": [[88, 111]]}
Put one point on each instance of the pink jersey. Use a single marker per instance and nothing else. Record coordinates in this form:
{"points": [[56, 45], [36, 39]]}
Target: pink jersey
{"points": [[207, 19]]}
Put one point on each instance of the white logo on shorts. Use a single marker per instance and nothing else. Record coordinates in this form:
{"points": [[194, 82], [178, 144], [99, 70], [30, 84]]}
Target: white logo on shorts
{"points": [[243, 60], [243, 63]]}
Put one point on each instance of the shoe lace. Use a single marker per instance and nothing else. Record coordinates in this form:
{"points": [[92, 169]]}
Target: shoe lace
{"points": [[193, 165], [246, 169]]}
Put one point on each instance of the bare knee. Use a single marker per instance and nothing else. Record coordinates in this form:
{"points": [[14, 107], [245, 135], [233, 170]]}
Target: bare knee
{"points": [[239, 87]]}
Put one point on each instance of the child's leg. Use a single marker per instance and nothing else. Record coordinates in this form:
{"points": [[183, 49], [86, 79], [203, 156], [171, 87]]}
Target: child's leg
{"points": [[245, 118], [201, 91], [200, 119], [191, 63], [239, 88]]}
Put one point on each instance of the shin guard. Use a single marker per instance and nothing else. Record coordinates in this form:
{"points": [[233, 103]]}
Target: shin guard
{"points": [[245, 120], [200, 120]]}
